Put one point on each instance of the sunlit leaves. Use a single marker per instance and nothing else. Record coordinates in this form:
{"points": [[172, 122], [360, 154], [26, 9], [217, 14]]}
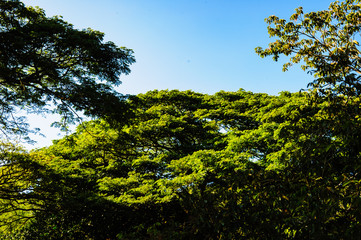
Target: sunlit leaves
{"points": [[324, 42], [226, 165]]}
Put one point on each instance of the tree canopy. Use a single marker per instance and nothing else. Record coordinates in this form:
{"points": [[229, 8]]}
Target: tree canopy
{"points": [[233, 165], [47, 64], [325, 42], [185, 165]]}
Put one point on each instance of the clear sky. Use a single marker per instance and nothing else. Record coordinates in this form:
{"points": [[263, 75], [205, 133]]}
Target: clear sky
{"points": [[202, 45]]}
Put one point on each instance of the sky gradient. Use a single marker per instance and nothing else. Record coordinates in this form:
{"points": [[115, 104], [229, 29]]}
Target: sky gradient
{"points": [[202, 45]]}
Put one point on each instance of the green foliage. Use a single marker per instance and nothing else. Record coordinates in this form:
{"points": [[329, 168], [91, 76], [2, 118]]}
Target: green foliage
{"points": [[185, 165], [325, 42], [45, 61], [232, 165]]}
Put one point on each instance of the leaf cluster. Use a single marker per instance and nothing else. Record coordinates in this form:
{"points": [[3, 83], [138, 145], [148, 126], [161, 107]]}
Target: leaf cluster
{"points": [[46, 64], [326, 43]]}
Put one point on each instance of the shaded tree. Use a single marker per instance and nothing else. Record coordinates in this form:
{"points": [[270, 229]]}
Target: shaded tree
{"points": [[46, 64]]}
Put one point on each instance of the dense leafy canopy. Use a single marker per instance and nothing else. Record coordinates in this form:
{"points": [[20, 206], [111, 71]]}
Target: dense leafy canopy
{"points": [[45, 62], [185, 165], [233, 165]]}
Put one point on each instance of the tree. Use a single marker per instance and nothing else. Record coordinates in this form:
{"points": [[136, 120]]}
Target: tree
{"points": [[325, 42], [233, 165], [325, 148], [46, 64], [185, 165], [151, 176], [126, 168]]}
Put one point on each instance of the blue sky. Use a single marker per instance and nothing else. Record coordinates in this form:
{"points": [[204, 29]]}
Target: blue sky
{"points": [[202, 45]]}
